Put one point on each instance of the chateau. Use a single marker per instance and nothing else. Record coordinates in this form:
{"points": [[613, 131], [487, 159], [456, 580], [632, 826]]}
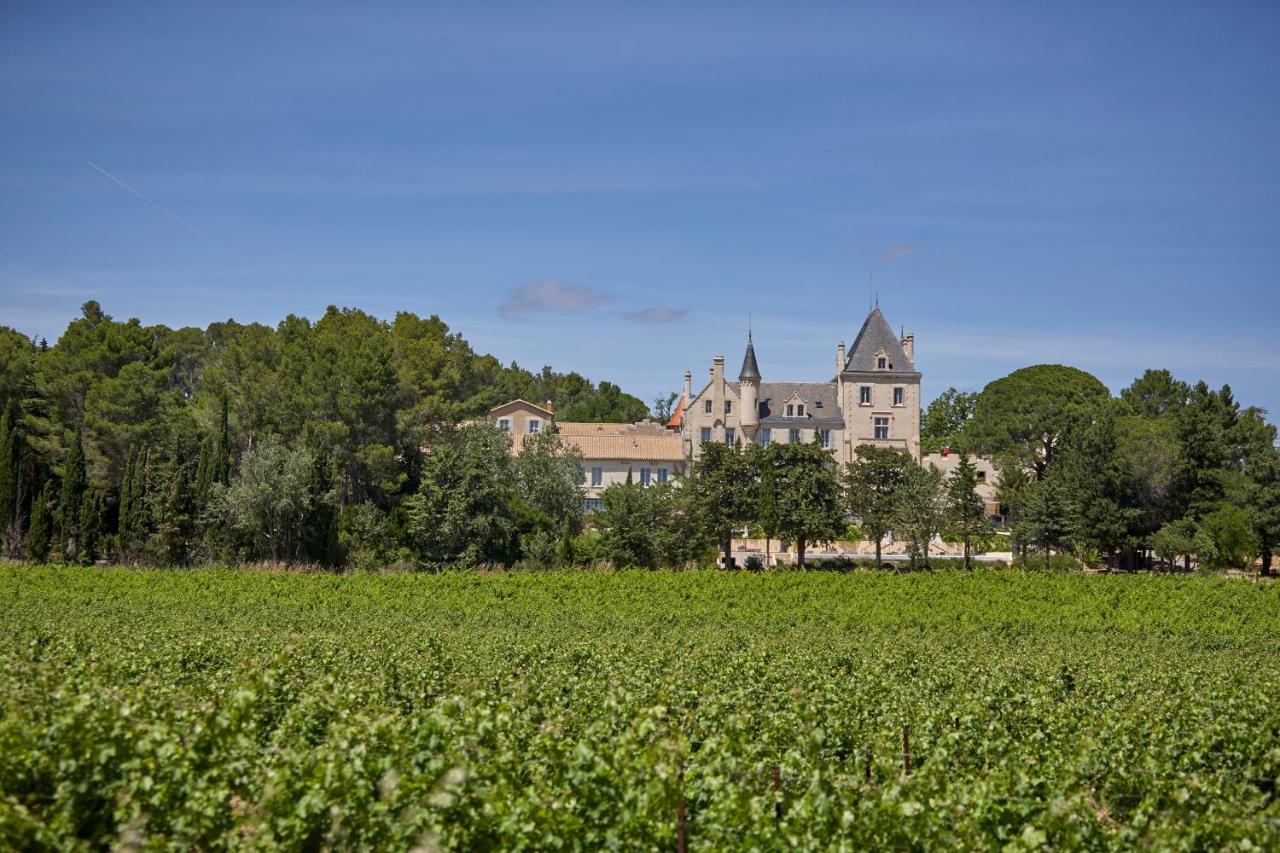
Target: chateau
{"points": [[873, 398]]}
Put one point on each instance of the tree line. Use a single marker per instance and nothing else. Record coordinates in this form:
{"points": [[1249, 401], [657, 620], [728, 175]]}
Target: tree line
{"points": [[239, 441], [1166, 470]]}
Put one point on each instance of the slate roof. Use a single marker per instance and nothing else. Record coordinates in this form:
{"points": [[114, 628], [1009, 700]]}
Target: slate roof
{"points": [[750, 370], [774, 396], [874, 337]]}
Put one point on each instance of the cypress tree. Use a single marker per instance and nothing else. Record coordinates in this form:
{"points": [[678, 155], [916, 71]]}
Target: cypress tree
{"points": [[90, 528], [73, 485], [126, 502], [320, 538], [39, 536], [222, 457], [204, 473], [10, 458]]}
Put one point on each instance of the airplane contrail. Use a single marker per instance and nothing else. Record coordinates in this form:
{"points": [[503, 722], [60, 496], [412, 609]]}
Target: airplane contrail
{"points": [[160, 207]]}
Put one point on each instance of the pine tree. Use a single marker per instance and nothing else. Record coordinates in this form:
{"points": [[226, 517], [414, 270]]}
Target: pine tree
{"points": [[40, 534], [966, 513], [73, 486], [204, 473]]}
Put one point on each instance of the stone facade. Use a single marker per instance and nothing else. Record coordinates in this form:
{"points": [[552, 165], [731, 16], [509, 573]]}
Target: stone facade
{"points": [[873, 398]]}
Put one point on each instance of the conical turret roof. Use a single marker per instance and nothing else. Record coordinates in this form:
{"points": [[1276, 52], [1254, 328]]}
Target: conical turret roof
{"points": [[876, 337], [750, 370]]}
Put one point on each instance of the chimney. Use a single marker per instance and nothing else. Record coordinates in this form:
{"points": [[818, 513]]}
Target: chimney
{"points": [[551, 406], [717, 370], [909, 347], [688, 386], [839, 358]]}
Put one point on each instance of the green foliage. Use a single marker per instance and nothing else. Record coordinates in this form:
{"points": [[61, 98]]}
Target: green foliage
{"points": [[1155, 394], [40, 534], [548, 477], [724, 482], [871, 481], [942, 423], [10, 474], [265, 510], [1234, 541], [1047, 516], [463, 512], [539, 711], [1026, 413], [73, 486], [802, 495], [919, 509], [966, 514]]}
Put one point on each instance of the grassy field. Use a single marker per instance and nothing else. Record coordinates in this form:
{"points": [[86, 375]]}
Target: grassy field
{"points": [[556, 710]]}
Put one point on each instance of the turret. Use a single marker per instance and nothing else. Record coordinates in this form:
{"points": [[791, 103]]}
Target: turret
{"points": [[749, 392]]}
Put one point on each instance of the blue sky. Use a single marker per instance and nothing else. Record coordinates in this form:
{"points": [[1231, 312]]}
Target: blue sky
{"points": [[613, 189]]}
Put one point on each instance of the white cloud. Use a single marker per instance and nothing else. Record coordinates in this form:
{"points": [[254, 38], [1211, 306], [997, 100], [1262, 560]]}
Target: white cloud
{"points": [[538, 296], [656, 314], [899, 251]]}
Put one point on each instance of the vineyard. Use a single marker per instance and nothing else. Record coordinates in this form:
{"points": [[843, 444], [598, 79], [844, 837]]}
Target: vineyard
{"points": [[636, 710]]}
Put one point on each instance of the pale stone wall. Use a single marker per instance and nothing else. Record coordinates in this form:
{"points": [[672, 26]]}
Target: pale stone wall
{"points": [[859, 418]]}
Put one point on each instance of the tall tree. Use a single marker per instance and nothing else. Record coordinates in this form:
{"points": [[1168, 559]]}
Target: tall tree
{"points": [[1026, 413], [1155, 393], [90, 528], [10, 477], [320, 536], [871, 482], [548, 477], [724, 483], [1046, 517], [73, 486], [40, 534], [966, 512], [919, 509], [627, 526], [807, 503]]}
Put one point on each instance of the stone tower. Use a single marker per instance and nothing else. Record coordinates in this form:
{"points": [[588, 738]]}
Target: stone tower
{"points": [[879, 390]]}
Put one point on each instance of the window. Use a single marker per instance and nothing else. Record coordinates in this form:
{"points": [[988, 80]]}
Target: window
{"points": [[662, 475], [728, 406], [817, 404], [800, 410], [728, 435], [534, 425], [706, 407], [646, 476], [882, 427], [592, 504], [881, 362], [824, 436], [791, 410], [504, 424], [705, 434], [597, 476], [794, 437], [982, 476], [864, 395], [766, 437], [897, 396]]}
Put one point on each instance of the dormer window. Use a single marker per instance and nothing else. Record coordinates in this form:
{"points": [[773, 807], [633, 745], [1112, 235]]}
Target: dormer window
{"points": [[800, 410], [882, 363], [791, 410]]}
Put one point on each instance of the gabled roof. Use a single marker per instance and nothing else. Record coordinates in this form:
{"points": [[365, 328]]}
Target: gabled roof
{"points": [[875, 337], [518, 405], [750, 370]]}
